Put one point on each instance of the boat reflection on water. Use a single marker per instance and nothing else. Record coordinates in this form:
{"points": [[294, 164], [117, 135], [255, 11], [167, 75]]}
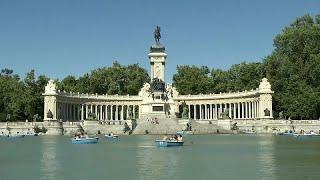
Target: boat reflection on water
{"points": [[49, 164], [266, 157], [85, 140], [157, 163]]}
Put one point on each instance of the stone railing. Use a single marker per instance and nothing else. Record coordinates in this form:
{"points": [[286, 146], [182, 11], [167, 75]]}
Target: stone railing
{"points": [[97, 96], [241, 94], [29, 124], [114, 122], [72, 123]]}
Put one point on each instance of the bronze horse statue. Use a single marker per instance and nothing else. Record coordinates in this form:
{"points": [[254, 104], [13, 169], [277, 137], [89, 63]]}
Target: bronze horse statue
{"points": [[157, 35]]}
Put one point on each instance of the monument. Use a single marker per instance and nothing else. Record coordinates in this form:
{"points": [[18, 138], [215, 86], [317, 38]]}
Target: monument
{"points": [[157, 104], [160, 100]]}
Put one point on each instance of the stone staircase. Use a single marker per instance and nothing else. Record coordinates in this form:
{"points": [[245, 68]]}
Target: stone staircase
{"points": [[171, 126], [207, 128], [157, 126]]}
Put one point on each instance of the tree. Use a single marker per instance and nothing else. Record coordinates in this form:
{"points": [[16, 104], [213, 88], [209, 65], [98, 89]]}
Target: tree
{"points": [[293, 69], [192, 80]]}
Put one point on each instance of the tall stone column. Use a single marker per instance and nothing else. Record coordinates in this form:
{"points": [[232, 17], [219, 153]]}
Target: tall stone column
{"points": [[234, 111], [220, 110], [242, 110], [205, 111], [194, 111], [111, 112], [210, 112], [200, 111], [230, 109], [117, 112], [134, 111], [238, 110], [96, 111], [82, 112], [254, 109], [121, 115], [247, 110], [87, 111], [100, 116], [215, 111], [258, 109], [127, 112], [250, 109], [106, 112]]}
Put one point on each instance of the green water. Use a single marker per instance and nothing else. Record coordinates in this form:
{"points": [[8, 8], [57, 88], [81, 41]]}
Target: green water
{"points": [[136, 157]]}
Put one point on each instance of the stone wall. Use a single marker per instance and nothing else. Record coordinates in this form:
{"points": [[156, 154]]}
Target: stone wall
{"points": [[165, 126], [272, 126]]}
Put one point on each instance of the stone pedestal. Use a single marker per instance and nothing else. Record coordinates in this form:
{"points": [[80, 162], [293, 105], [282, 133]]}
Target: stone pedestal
{"points": [[50, 102], [157, 58]]}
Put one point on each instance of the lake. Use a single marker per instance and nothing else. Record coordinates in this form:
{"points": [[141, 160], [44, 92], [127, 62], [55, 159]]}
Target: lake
{"points": [[136, 157]]}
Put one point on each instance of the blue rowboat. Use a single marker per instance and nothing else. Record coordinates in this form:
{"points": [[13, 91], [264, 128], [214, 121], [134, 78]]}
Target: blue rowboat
{"points": [[111, 136], [306, 135], [13, 136], [168, 143], [287, 134], [85, 140]]}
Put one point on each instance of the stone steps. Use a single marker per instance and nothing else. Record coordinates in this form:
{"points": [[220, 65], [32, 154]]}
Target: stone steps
{"points": [[162, 126]]}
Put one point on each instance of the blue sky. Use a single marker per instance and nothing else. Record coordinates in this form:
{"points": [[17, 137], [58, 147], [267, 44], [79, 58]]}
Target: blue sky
{"points": [[72, 37]]}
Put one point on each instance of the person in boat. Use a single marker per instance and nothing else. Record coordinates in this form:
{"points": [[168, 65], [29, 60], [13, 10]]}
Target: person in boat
{"points": [[174, 138], [82, 135], [180, 138]]}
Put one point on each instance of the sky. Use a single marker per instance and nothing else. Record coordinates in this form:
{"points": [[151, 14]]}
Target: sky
{"points": [[72, 37]]}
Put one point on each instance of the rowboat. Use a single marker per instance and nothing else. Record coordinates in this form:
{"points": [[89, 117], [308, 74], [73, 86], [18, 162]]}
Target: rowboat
{"points": [[287, 134], [85, 140], [311, 134], [168, 143], [13, 136], [249, 132], [111, 136]]}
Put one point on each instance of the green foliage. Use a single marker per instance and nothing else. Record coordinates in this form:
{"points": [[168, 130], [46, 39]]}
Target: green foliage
{"points": [[294, 69], [240, 77], [36, 129], [21, 99], [117, 79], [192, 80]]}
